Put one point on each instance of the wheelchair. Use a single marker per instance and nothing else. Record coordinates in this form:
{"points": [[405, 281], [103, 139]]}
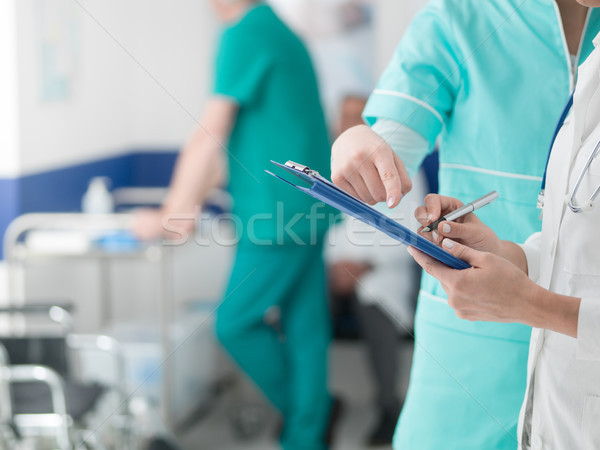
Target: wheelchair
{"points": [[44, 402]]}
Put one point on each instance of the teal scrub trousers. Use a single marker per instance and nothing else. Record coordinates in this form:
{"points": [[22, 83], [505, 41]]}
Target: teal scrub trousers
{"points": [[288, 364]]}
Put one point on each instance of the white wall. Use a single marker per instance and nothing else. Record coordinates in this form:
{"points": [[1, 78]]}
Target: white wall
{"points": [[391, 20], [179, 54], [9, 134], [115, 105], [93, 120]]}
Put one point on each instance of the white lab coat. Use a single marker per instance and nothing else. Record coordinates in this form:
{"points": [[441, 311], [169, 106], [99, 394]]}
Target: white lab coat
{"points": [[561, 409]]}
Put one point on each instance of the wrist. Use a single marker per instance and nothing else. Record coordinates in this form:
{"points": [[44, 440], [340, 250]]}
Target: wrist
{"points": [[178, 218], [500, 248], [513, 253], [178, 209], [559, 313], [535, 313]]}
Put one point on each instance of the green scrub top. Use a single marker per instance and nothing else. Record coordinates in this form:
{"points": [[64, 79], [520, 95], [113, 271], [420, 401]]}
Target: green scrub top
{"points": [[489, 79], [263, 67]]}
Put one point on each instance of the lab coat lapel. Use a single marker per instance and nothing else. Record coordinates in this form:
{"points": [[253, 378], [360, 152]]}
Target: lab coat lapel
{"points": [[564, 153], [587, 88]]}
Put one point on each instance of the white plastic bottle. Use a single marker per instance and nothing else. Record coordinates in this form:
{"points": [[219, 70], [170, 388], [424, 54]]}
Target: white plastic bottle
{"points": [[97, 199]]}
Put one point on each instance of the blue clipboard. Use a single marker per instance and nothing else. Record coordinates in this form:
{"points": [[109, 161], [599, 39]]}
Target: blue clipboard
{"points": [[325, 191]]}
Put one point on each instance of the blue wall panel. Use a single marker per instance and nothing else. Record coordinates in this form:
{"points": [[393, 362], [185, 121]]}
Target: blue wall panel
{"points": [[152, 169], [9, 204], [61, 190]]}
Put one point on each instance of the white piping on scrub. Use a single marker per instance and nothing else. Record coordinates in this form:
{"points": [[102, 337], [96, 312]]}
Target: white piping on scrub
{"points": [[412, 99], [517, 176], [432, 297]]}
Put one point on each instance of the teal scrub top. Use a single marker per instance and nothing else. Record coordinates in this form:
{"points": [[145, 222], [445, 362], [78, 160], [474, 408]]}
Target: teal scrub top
{"points": [[264, 67], [487, 81]]}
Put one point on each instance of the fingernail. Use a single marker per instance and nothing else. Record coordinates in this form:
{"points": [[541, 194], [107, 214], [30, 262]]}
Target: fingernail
{"points": [[446, 228], [435, 235], [430, 217], [390, 202], [448, 243], [409, 250]]}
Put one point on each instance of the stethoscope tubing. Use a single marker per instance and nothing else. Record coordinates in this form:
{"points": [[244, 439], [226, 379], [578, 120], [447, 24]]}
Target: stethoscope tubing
{"points": [[588, 205]]}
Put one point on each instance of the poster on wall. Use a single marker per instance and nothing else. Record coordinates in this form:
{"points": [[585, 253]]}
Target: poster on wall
{"points": [[57, 48]]}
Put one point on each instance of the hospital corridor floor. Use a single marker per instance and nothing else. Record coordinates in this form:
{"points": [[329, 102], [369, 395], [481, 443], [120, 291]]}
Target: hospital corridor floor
{"points": [[350, 380]]}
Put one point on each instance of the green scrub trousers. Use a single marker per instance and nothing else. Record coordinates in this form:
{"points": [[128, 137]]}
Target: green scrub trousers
{"points": [[289, 365], [266, 70]]}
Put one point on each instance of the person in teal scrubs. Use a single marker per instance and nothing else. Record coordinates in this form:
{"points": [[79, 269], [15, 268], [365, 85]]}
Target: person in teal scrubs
{"points": [[274, 318], [484, 80]]}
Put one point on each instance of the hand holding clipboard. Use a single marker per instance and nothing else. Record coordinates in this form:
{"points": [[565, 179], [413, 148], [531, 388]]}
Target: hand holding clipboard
{"points": [[325, 191]]}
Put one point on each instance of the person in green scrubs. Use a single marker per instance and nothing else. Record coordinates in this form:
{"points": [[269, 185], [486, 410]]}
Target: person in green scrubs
{"points": [[274, 318], [484, 80]]}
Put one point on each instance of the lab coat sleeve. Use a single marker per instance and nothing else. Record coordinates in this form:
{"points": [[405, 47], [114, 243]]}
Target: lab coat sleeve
{"points": [[336, 246], [588, 329], [419, 86], [531, 247], [343, 243], [410, 146]]}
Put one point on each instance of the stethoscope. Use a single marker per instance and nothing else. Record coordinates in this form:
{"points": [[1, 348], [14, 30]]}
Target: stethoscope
{"points": [[572, 203]]}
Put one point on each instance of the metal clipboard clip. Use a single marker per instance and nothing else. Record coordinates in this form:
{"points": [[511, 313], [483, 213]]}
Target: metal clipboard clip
{"points": [[301, 168]]}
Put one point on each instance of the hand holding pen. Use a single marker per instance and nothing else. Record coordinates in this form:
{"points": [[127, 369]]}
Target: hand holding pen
{"points": [[462, 227], [463, 210]]}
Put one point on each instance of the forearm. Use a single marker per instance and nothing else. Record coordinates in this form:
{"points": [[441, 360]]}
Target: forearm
{"points": [[201, 165], [199, 169], [513, 253], [559, 313]]}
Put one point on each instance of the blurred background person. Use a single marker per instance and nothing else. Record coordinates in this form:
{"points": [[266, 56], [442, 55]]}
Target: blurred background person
{"points": [[370, 270], [373, 281], [274, 319], [339, 35]]}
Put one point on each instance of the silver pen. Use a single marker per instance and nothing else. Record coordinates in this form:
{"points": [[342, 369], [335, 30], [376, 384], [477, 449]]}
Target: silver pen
{"points": [[463, 210]]}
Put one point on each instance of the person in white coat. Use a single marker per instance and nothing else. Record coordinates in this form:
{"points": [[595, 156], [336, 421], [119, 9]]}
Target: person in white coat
{"points": [[372, 267], [551, 282]]}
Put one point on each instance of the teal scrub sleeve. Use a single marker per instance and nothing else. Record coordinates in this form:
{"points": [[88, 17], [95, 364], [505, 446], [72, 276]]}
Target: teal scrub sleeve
{"points": [[410, 146], [242, 66], [419, 86]]}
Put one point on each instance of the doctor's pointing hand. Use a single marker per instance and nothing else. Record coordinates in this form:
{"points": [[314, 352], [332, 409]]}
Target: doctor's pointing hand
{"points": [[366, 166]]}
